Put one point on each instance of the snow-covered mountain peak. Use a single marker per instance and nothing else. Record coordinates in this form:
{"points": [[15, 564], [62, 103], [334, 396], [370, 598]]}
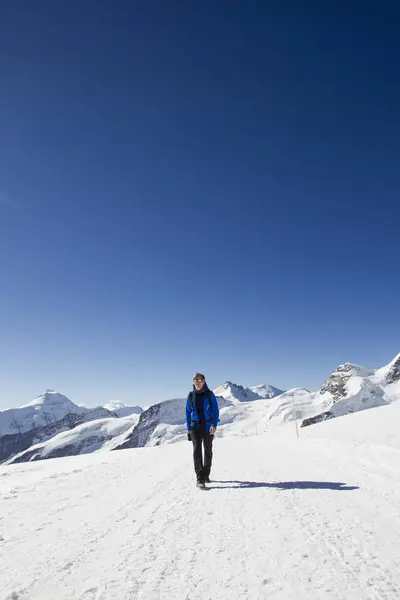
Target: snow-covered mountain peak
{"points": [[266, 391], [335, 385], [354, 369], [229, 384], [230, 390], [47, 409], [234, 392], [51, 400]]}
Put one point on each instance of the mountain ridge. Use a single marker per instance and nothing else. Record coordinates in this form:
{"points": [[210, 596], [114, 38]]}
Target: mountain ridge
{"points": [[349, 388]]}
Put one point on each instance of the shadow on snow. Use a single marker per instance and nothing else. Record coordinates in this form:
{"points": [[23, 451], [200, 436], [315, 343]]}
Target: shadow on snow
{"points": [[287, 485]]}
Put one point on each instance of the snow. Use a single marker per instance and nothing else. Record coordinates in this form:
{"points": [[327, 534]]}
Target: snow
{"points": [[266, 390], [235, 393], [47, 420], [101, 434], [388, 373], [290, 519], [362, 394], [101, 430], [122, 410], [50, 400], [50, 407], [381, 374], [350, 388], [393, 391], [295, 402], [358, 370]]}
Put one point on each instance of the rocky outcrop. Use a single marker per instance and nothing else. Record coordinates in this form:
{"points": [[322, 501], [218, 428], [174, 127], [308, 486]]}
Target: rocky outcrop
{"points": [[99, 434], [159, 424], [18, 442], [349, 389], [317, 419], [336, 383], [393, 374], [142, 433]]}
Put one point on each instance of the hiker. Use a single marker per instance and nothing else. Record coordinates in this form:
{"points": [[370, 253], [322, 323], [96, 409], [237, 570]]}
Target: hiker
{"points": [[202, 416]]}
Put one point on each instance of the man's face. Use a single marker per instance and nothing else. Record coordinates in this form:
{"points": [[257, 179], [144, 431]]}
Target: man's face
{"points": [[198, 382]]}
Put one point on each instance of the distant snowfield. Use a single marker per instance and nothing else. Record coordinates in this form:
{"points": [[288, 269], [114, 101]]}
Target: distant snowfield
{"points": [[313, 518]]}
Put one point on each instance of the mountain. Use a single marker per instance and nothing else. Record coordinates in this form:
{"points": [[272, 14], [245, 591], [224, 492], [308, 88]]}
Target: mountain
{"points": [[100, 434], [47, 416], [41, 429], [121, 410], [351, 388], [15, 443], [284, 519], [236, 393], [266, 391], [47, 409], [336, 384], [295, 403], [166, 422], [388, 377], [159, 423]]}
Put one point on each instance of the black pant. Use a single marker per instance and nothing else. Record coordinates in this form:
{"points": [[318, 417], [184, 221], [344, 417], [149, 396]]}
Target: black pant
{"points": [[201, 436]]}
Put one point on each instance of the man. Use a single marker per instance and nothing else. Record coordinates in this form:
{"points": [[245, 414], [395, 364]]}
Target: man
{"points": [[202, 416]]}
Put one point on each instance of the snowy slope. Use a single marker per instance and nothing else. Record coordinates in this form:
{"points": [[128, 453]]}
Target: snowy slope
{"points": [[165, 422], [51, 415], [122, 410], [236, 393], [297, 402], [388, 377], [361, 394], [16, 443], [101, 434], [311, 519], [352, 388], [51, 407], [266, 391], [160, 424]]}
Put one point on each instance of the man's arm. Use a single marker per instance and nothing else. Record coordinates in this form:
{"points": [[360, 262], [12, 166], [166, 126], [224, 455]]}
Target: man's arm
{"points": [[188, 415], [215, 409]]}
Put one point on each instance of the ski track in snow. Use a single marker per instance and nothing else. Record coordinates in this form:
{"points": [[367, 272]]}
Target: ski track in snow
{"points": [[308, 519]]}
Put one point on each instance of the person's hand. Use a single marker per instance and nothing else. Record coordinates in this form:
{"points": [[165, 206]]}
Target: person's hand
{"points": [[212, 430], [189, 436]]}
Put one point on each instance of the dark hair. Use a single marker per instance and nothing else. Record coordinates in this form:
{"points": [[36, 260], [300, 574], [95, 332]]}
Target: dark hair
{"points": [[198, 375]]}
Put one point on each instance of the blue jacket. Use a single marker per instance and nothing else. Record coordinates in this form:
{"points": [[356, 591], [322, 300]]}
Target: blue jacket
{"points": [[211, 413]]}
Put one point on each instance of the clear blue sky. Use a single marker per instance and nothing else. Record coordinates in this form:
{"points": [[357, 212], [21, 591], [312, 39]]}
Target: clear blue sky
{"points": [[188, 186]]}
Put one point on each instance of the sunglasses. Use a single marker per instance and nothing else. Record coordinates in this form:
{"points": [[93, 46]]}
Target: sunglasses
{"points": [[198, 380]]}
